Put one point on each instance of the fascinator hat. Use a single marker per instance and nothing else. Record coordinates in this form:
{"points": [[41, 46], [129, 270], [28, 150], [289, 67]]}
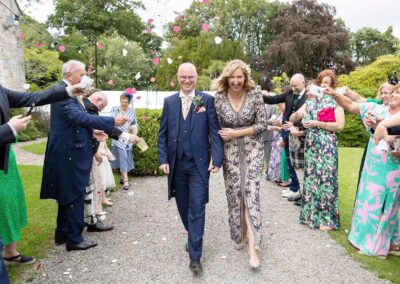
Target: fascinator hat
{"points": [[128, 94]]}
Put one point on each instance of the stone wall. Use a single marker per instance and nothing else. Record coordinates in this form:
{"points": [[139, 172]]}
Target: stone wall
{"points": [[12, 73]]}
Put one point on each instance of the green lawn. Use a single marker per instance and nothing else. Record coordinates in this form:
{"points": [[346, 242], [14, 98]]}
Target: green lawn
{"points": [[37, 238], [349, 163], [38, 149]]}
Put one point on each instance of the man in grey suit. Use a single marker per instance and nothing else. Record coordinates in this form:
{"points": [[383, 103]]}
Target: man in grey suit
{"points": [[267, 136]]}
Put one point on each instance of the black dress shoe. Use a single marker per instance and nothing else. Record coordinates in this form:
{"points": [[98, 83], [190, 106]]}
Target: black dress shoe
{"points": [[59, 240], [99, 227], [297, 202], [187, 247], [81, 246], [195, 266], [297, 198]]}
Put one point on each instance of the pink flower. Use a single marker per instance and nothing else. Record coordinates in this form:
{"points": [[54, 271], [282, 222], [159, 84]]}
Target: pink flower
{"points": [[205, 27], [149, 21], [148, 30], [110, 82], [206, 2], [99, 45], [156, 60], [152, 80], [61, 48], [176, 28], [39, 44]]}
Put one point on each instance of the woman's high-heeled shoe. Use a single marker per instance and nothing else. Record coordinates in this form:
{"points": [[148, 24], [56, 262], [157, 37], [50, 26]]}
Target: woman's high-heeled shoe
{"points": [[254, 261]]}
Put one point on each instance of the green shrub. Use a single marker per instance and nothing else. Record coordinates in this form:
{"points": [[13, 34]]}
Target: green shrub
{"points": [[354, 133], [31, 132], [146, 163]]}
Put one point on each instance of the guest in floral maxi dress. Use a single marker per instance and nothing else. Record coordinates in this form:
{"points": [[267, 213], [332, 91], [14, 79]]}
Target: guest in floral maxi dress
{"points": [[241, 114], [375, 223], [274, 166], [319, 195]]}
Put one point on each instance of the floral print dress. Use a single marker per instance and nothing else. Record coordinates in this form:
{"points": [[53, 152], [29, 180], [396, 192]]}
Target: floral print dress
{"points": [[375, 223], [319, 195], [274, 166], [243, 161]]}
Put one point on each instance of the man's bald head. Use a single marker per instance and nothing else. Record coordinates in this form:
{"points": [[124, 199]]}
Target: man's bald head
{"points": [[99, 99], [187, 77], [297, 83]]}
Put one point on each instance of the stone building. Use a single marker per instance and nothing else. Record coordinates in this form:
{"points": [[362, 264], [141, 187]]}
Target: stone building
{"points": [[12, 75]]}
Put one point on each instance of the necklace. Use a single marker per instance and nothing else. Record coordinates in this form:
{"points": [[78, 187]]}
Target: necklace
{"points": [[235, 102]]}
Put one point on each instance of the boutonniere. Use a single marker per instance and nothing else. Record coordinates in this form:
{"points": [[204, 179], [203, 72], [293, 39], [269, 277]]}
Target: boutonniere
{"points": [[198, 104]]}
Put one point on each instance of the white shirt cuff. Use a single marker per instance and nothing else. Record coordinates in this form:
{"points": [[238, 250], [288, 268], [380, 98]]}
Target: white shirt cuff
{"points": [[69, 92], [13, 129]]}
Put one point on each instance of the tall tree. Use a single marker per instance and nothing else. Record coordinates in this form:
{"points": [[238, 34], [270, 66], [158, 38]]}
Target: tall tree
{"points": [[246, 21], [96, 17], [307, 39], [369, 43]]}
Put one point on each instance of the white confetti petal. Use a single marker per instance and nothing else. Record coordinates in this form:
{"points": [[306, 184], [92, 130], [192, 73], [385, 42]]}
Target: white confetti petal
{"points": [[347, 231], [218, 40], [147, 235], [26, 86], [126, 43], [124, 233], [86, 269], [66, 273], [124, 52], [328, 246], [135, 242], [223, 257], [70, 277], [169, 60], [114, 260], [137, 76], [130, 193], [44, 274], [180, 56], [164, 238]]}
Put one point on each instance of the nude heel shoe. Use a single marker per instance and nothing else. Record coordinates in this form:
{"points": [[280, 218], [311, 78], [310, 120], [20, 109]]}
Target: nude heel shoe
{"points": [[254, 261]]}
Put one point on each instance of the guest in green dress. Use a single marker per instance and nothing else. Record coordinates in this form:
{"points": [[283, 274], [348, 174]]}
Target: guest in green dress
{"points": [[13, 215], [375, 223], [319, 203]]}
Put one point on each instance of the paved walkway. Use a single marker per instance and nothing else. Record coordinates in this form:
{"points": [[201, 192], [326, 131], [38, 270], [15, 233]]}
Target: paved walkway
{"points": [[28, 158], [147, 245]]}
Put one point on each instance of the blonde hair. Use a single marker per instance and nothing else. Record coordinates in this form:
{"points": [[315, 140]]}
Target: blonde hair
{"points": [[384, 85], [221, 83]]}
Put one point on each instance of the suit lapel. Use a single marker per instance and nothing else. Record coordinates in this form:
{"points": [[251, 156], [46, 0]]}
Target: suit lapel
{"points": [[176, 112], [192, 112]]}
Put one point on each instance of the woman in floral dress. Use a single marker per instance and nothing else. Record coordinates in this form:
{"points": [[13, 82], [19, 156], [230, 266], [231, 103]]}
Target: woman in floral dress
{"points": [[375, 223], [241, 114], [319, 195]]}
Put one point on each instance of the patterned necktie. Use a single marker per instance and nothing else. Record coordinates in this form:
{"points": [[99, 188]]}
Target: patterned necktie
{"points": [[185, 107], [295, 99]]}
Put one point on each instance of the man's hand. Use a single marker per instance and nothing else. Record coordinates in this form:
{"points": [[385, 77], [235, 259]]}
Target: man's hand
{"points": [[19, 123], [165, 169], [134, 139], [120, 120], [213, 169], [77, 90], [99, 135], [287, 125]]}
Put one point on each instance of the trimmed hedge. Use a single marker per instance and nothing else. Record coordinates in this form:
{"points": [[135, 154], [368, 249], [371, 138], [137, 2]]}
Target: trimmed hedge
{"points": [[354, 133], [146, 163]]}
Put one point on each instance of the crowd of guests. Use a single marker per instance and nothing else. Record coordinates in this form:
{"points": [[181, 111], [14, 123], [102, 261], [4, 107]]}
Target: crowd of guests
{"points": [[239, 129]]}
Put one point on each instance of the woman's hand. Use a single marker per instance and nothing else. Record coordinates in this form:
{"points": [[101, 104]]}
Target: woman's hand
{"points": [[330, 92], [311, 123], [228, 133], [286, 126], [395, 154], [296, 133]]}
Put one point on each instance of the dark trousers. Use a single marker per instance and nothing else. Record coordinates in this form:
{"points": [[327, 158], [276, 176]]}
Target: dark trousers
{"points": [[3, 271], [191, 194], [294, 184], [70, 221]]}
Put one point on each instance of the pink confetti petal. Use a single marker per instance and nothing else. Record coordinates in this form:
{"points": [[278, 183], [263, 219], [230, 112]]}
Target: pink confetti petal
{"points": [[176, 29], [39, 44], [152, 79], [21, 36], [156, 60], [38, 265], [99, 45], [205, 27], [110, 82], [133, 91], [59, 260], [149, 21], [138, 97], [129, 91], [37, 230], [61, 48]]}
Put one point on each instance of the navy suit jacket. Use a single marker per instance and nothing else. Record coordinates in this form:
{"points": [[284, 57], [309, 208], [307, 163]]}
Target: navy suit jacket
{"points": [[204, 137], [69, 151], [12, 99]]}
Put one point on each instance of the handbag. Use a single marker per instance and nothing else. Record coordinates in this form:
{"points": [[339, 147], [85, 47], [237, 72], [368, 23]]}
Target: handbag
{"points": [[326, 115]]}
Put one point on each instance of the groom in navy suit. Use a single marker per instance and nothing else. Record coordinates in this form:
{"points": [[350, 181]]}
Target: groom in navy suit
{"points": [[188, 135]]}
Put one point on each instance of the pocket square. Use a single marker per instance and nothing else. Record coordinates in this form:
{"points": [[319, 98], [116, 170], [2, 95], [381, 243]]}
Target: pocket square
{"points": [[202, 109]]}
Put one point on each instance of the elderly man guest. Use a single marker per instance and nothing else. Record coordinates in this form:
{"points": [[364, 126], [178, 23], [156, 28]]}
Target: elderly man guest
{"points": [[9, 129], [68, 159], [293, 99], [188, 135]]}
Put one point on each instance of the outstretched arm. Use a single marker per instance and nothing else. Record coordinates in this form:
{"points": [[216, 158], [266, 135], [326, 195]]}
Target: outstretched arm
{"points": [[346, 103]]}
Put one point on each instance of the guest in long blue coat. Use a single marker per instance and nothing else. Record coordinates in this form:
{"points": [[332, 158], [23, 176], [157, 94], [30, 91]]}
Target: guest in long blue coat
{"points": [[68, 160], [188, 138]]}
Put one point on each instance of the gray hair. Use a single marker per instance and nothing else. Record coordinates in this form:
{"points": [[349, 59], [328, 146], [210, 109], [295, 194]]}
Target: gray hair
{"points": [[71, 66]]}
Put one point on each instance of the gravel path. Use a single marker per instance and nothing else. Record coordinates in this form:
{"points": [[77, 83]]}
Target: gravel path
{"points": [[28, 158], [147, 245]]}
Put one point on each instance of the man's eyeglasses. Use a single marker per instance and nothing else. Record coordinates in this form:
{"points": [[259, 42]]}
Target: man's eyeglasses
{"points": [[184, 78]]}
